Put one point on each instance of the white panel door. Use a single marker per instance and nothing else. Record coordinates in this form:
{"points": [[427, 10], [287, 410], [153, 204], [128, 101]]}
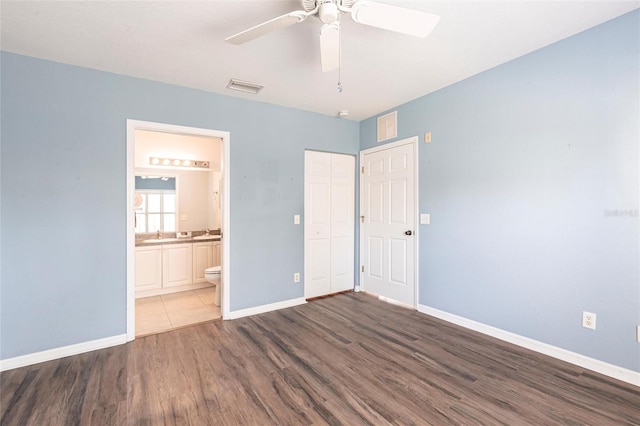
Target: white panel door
{"points": [[317, 224], [388, 207], [329, 223], [342, 222]]}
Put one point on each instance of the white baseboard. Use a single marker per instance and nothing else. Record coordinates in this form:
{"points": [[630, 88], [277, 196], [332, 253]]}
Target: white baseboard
{"points": [[613, 371], [394, 302], [265, 308], [48, 355]]}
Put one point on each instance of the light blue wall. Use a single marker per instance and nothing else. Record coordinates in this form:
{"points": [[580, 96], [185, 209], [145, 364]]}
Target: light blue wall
{"points": [[63, 161], [527, 162]]}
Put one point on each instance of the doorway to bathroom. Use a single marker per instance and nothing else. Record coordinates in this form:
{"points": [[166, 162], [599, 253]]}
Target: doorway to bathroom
{"points": [[177, 226]]}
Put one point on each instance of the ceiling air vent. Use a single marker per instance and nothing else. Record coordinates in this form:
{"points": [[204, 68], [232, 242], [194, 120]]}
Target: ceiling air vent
{"points": [[244, 86], [388, 126]]}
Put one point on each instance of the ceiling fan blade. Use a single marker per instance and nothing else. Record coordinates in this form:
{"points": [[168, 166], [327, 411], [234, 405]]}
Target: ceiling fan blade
{"points": [[330, 46], [406, 21], [267, 27]]}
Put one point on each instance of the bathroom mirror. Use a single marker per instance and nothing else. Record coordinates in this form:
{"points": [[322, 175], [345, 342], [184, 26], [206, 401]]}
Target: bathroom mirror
{"points": [[155, 203], [175, 200]]}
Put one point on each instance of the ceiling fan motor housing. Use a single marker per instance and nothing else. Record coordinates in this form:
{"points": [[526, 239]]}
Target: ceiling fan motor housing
{"points": [[328, 12]]}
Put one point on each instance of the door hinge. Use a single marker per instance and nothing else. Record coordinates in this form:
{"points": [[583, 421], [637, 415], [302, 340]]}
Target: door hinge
{"points": [[361, 219], [362, 268], [362, 168]]}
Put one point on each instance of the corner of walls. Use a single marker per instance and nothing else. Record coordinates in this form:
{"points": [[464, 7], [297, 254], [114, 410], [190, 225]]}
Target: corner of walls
{"points": [[51, 126], [533, 187]]}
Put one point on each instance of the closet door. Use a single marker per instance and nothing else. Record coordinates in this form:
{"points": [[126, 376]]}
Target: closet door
{"points": [[317, 224], [342, 222], [329, 223]]}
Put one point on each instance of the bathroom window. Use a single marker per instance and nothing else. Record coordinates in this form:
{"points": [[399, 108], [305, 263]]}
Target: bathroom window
{"points": [[155, 211]]}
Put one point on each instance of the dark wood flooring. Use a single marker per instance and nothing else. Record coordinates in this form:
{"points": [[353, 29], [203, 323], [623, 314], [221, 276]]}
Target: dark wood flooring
{"points": [[348, 359]]}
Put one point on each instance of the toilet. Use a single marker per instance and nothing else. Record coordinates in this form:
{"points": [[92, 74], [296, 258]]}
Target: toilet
{"points": [[212, 275]]}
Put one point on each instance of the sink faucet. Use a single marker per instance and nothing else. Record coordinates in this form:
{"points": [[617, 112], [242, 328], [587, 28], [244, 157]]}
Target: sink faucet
{"points": [[159, 234]]}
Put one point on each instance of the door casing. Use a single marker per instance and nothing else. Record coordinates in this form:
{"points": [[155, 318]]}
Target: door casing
{"points": [[132, 126]]}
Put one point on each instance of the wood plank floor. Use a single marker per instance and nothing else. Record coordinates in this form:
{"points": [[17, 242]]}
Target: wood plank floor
{"points": [[348, 359]]}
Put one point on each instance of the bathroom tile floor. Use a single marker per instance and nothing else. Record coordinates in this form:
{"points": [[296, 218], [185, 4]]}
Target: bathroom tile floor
{"points": [[169, 311]]}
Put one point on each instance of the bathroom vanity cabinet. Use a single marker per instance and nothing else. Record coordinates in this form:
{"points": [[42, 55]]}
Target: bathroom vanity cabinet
{"points": [[177, 264], [202, 259], [169, 268], [217, 253], [148, 268]]}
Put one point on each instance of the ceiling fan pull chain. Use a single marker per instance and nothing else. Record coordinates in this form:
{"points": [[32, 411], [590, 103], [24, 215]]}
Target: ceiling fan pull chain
{"points": [[339, 56]]}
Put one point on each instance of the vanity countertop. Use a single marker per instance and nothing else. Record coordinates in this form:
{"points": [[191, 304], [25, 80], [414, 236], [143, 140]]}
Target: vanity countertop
{"points": [[156, 242]]}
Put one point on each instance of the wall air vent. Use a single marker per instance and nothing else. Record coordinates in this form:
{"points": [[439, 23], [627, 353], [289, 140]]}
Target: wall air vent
{"points": [[388, 126], [244, 86]]}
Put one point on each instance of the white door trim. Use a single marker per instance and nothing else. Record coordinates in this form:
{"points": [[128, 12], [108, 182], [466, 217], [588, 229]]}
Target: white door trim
{"points": [[132, 126], [414, 142]]}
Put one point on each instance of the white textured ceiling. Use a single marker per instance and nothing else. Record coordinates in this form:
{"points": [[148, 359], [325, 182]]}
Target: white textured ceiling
{"points": [[182, 42]]}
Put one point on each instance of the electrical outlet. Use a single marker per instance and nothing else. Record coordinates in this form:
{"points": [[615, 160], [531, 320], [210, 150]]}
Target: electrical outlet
{"points": [[427, 137], [589, 320], [296, 277]]}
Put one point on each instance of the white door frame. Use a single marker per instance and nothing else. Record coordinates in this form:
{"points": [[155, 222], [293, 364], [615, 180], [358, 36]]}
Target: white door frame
{"points": [[132, 126], [414, 142]]}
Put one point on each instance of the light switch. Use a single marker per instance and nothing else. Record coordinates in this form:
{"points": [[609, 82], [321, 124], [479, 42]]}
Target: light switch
{"points": [[425, 218], [296, 219]]}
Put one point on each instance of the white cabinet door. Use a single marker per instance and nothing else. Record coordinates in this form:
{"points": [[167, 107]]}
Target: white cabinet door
{"points": [[202, 259], [217, 253], [177, 265], [329, 198], [148, 268]]}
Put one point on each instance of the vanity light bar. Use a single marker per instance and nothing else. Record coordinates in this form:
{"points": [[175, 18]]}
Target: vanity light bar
{"points": [[176, 162]]}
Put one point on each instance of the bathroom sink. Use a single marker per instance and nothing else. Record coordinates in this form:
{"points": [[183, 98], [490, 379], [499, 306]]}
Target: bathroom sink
{"points": [[159, 240], [206, 237]]}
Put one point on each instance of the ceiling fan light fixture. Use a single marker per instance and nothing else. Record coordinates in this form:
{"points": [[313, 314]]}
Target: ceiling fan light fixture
{"points": [[244, 86]]}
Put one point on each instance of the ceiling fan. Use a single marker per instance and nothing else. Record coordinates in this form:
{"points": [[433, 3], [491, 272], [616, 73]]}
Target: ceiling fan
{"points": [[379, 15]]}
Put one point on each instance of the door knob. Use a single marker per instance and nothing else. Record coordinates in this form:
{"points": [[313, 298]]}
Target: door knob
{"points": [[408, 233]]}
